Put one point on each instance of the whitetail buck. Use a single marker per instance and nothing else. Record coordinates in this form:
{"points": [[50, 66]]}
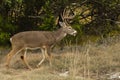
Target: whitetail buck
{"points": [[37, 39]]}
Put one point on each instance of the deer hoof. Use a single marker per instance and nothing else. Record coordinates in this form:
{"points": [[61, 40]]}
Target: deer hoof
{"points": [[37, 66]]}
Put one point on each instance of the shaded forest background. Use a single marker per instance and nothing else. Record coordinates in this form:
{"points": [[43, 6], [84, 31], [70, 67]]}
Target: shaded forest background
{"points": [[93, 19]]}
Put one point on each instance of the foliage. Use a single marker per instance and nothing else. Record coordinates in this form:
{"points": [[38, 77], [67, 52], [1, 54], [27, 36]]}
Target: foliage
{"points": [[92, 17], [106, 13], [6, 30]]}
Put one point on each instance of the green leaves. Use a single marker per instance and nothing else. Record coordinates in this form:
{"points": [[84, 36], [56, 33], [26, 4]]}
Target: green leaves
{"points": [[92, 17], [4, 37], [6, 29]]}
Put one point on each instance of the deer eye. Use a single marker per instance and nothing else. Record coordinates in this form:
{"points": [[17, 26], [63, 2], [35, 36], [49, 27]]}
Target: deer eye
{"points": [[69, 28]]}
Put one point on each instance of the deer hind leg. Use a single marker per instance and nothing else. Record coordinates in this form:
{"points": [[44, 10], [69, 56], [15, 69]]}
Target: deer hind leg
{"points": [[24, 58], [11, 54], [43, 53]]}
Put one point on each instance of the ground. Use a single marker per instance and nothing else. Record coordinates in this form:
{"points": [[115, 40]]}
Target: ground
{"points": [[92, 61]]}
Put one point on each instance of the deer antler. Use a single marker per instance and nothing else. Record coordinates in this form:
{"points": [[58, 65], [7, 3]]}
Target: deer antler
{"points": [[56, 21], [66, 15]]}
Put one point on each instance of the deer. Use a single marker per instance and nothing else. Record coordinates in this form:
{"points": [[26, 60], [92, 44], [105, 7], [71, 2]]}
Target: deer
{"points": [[43, 40]]}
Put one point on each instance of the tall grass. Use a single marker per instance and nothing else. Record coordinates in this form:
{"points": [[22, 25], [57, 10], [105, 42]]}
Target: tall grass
{"points": [[91, 61]]}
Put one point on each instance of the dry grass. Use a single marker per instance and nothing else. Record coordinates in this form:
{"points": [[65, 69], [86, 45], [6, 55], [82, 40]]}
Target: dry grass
{"points": [[89, 62]]}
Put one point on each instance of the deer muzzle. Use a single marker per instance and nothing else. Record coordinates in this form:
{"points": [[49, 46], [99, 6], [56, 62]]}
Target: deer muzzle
{"points": [[74, 33]]}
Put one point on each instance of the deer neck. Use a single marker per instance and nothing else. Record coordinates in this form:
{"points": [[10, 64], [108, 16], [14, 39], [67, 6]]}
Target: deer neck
{"points": [[59, 34]]}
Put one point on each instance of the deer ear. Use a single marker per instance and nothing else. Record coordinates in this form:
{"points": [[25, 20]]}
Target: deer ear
{"points": [[62, 24]]}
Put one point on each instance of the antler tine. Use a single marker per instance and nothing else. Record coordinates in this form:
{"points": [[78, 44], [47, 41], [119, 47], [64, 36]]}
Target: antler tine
{"points": [[56, 21], [67, 15], [64, 15]]}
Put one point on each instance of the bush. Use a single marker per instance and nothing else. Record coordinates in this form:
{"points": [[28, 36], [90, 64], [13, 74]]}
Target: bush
{"points": [[6, 30]]}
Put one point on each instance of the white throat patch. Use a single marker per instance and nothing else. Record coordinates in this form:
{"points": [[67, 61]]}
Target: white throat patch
{"points": [[65, 34]]}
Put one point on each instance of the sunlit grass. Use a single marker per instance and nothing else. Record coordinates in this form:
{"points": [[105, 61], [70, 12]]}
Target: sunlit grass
{"points": [[87, 62]]}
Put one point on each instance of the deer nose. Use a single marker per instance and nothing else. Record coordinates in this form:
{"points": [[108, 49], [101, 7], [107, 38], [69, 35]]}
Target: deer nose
{"points": [[74, 33]]}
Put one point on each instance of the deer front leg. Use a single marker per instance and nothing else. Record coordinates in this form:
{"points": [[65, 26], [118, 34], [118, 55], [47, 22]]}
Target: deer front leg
{"points": [[43, 53], [9, 57], [49, 56], [11, 54], [24, 59]]}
